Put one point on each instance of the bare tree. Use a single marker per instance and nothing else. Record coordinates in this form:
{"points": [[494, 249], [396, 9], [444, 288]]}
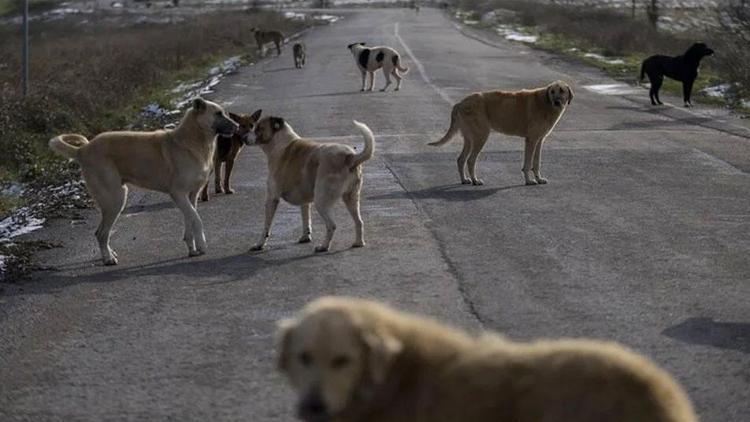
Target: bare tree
{"points": [[652, 12]]}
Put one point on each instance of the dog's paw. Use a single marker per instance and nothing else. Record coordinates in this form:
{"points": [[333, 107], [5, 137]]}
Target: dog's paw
{"points": [[541, 180], [531, 182], [360, 244], [477, 182], [397, 89], [305, 239], [465, 181], [229, 191], [257, 248], [195, 253], [321, 248], [219, 190], [110, 261]]}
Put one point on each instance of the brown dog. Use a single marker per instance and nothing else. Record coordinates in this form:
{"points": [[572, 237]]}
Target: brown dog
{"points": [[263, 37], [530, 114], [227, 150], [176, 162], [354, 360]]}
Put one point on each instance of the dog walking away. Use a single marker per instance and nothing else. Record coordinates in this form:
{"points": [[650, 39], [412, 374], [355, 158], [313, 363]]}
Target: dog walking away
{"points": [[530, 114], [303, 172], [299, 55], [682, 68], [263, 37], [370, 59], [227, 150], [352, 360], [176, 162]]}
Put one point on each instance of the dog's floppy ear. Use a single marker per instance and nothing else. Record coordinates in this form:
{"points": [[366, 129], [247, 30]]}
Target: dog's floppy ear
{"points": [[199, 104], [570, 94], [382, 349], [256, 115], [283, 335], [277, 123]]}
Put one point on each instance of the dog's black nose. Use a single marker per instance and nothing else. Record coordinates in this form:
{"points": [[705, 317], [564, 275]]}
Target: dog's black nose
{"points": [[312, 408]]}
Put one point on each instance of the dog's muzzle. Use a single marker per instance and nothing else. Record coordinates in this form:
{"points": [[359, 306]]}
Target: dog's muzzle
{"points": [[249, 138], [557, 103], [312, 408]]}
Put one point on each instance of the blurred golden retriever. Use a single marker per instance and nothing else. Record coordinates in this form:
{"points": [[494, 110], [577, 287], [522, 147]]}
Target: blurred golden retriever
{"points": [[530, 114], [356, 360]]}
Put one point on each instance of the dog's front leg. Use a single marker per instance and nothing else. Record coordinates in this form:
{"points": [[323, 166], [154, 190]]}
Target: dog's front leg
{"points": [[194, 237], [217, 175], [687, 90], [538, 162], [528, 156], [228, 166], [271, 204], [372, 81], [306, 224], [364, 80]]}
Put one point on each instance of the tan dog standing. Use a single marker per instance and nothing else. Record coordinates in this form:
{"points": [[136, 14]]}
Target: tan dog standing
{"points": [[353, 360], [176, 162], [303, 172], [530, 114]]}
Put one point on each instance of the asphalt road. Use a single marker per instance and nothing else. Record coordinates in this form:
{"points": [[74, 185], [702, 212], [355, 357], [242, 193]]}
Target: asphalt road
{"points": [[640, 237]]}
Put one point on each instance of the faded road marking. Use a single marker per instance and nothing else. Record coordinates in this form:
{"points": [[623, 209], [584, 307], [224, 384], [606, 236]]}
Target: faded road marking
{"points": [[420, 67]]}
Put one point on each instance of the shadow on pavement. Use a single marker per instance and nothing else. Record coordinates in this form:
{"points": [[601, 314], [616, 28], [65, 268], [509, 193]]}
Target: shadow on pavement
{"points": [[706, 331], [446, 192]]}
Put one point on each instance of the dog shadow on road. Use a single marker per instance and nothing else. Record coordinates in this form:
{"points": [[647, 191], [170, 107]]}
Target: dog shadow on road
{"points": [[452, 193], [705, 331], [203, 270]]}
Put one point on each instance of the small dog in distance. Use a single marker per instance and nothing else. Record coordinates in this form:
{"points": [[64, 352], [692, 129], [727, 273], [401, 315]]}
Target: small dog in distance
{"points": [[299, 55]]}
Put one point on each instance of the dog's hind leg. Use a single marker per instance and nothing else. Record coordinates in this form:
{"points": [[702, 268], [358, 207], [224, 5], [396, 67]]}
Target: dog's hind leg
{"points": [[387, 80], [538, 162], [110, 194], [372, 81], [364, 80], [398, 78], [204, 192], [195, 238], [271, 205], [654, 92], [323, 203], [351, 199], [528, 158], [306, 223], [476, 135], [461, 161]]}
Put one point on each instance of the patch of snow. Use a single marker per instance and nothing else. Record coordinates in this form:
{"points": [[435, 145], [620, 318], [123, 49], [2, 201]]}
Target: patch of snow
{"points": [[13, 189], [21, 221], [613, 89], [513, 35], [719, 91], [2, 265], [604, 59], [328, 18]]}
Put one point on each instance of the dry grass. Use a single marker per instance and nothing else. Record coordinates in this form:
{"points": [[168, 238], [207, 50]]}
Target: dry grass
{"points": [[90, 78]]}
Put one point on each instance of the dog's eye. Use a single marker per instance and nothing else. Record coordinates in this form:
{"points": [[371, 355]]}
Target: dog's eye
{"points": [[339, 362], [305, 359]]}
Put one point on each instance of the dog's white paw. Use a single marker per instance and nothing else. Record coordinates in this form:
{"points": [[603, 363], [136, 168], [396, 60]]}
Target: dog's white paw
{"points": [[258, 247], [531, 182], [110, 261], [541, 180], [306, 238]]}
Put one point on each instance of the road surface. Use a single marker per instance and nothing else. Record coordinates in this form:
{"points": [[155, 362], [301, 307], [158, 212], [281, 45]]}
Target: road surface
{"points": [[640, 237]]}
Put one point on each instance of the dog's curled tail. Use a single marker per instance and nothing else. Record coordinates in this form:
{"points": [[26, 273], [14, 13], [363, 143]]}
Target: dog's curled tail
{"points": [[68, 145], [452, 130], [366, 153], [397, 62]]}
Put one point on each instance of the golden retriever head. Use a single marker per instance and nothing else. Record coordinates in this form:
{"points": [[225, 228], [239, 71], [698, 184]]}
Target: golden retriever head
{"points": [[212, 118], [559, 94], [334, 358], [246, 123]]}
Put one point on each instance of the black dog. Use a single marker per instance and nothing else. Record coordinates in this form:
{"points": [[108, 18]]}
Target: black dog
{"points": [[681, 68]]}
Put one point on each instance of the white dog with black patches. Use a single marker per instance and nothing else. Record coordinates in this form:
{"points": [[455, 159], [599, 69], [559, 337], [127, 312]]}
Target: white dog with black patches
{"points": [[370, 59]]}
